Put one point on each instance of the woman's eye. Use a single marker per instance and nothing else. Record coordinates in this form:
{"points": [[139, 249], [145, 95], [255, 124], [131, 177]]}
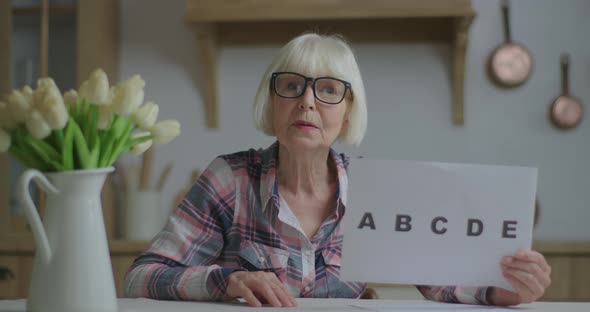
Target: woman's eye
{"points": [[328, 90], [292, 86]]}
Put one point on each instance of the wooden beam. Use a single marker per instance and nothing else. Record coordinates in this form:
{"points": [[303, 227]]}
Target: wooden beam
{"points": [[44, 38], [358, 30], [98, 38], [5, 44], [206, 40], [460, 44], [5, 86], [255, 10]]}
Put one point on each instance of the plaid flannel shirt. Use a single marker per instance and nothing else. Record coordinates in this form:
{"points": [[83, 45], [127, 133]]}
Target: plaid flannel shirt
{"points": [[232, 219]]}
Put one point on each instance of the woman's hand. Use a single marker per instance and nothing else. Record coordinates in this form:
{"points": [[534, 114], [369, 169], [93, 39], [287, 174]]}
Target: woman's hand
{"points": [[529, 274], [258, 288]]}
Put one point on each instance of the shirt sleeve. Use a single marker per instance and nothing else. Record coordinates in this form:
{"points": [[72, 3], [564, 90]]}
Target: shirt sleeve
{"points": [[180, 262], [455, 294]]}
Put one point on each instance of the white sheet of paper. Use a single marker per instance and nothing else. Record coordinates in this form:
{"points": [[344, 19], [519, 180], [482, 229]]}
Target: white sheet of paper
{"points": [[423, 191]]}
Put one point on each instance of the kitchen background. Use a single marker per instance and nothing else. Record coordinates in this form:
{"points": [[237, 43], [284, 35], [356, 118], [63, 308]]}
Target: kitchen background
{"points": [[408, 89], [408, 94]]}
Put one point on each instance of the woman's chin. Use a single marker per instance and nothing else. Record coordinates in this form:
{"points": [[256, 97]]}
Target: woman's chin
{"points": [[304, 143]]}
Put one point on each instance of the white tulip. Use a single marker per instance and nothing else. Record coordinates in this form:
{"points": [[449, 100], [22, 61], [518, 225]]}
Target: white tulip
{"points": [[165, 131], [27, 92], [37, 126], [4, 141], [105, 116], [70, 97], [46, 83], [18, 105], [140, 148], [54, 111], [128, 95], [45, 86], [6, 120], [96, 88], [145, 117]]}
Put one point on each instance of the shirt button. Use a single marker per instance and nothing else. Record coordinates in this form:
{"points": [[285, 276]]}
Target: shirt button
{"points": [[307, 288], [261, 259]]}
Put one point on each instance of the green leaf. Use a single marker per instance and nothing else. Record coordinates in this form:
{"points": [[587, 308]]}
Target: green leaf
{"points": [[93, 135], [26, 153], [24, 158], [105, 152], [94, 154], [68, 147], [119, 125], [44, 147], [81, 147], [47, 161], [132, 142], [59, 138], [120, 146]]}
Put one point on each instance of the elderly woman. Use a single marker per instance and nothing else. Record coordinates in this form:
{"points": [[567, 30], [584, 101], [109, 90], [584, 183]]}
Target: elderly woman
{"points": [[266, 225]]}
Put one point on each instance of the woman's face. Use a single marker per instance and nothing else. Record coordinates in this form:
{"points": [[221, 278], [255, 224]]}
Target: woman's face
{"points": [[305, 122]]}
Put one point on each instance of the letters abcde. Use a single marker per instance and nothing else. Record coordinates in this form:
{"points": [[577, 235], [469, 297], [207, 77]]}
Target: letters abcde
{"points": [[403, 223]]}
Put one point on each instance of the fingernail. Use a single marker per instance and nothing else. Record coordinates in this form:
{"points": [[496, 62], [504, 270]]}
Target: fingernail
{"points": [[506, 260]]}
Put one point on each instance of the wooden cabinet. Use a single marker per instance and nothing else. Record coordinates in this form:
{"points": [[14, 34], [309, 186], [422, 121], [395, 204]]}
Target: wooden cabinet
{"points": [[16, 265], [9, 274], [570, 263]]}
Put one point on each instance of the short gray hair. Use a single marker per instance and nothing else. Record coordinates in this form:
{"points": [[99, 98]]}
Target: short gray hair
{"points": [[313, 54]]}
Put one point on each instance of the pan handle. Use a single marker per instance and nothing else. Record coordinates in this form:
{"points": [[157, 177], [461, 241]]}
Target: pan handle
{"points": [[506, 20], [565, 85]]}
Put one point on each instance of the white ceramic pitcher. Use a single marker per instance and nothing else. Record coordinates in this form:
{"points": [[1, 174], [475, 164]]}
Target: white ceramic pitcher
{"points": [[72, 268]]}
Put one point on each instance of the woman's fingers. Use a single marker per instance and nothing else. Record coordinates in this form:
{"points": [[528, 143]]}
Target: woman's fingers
{"points": [[529, 267], [245, 292], [284, 297], [285, 294], [526, 285], [520, 289], [258, 288], [267, 291], [289, 300], [533, 256]]}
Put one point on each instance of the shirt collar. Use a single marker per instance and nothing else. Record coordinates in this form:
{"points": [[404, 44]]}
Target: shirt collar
{"points": [[269, 188]]}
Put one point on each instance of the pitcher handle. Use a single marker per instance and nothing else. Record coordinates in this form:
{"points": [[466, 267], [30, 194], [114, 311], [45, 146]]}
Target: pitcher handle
{"points": [[31, 210]]}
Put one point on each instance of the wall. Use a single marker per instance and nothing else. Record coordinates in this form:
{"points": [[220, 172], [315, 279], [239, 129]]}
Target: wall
{"points": [[408, 92]]}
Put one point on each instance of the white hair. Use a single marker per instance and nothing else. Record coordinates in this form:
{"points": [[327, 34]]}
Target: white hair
{"points": [[314, 54]]}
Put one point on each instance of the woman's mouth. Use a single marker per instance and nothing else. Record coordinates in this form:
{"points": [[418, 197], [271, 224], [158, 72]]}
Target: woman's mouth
{"points": [[304, 125]]}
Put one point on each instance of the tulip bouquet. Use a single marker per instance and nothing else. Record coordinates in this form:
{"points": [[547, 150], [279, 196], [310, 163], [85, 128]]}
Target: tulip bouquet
{"points": [[85, 129]]}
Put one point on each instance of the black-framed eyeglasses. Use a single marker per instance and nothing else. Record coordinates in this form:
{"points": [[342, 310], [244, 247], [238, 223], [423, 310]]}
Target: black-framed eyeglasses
{"points": [[291, 85]]}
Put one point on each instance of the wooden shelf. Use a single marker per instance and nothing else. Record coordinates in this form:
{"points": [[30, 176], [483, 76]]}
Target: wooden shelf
{"points": [[563, 248], [53, 9], [254, 22]]}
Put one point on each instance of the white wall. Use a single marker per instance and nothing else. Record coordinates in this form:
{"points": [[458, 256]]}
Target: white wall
{"points": [[408, 91]]}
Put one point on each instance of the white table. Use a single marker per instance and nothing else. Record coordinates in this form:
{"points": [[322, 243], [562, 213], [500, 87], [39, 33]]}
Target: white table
{"points": [[331, 305]]}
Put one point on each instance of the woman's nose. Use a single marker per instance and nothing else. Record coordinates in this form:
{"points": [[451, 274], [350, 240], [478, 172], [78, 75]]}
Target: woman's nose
{"points": [[308, 99]]}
